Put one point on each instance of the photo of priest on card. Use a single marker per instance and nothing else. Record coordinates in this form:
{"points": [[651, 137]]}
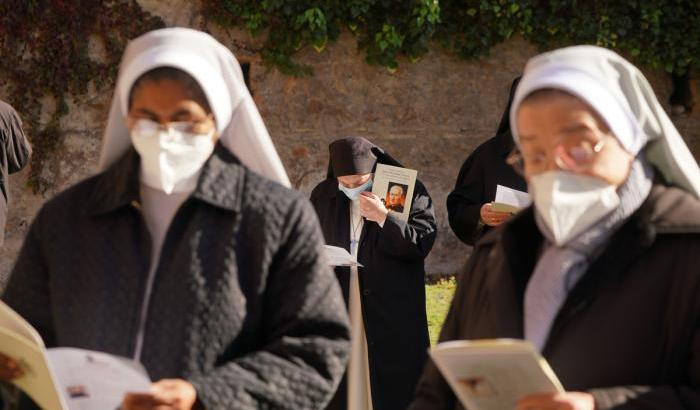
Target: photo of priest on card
{"points": [[396, 197]]}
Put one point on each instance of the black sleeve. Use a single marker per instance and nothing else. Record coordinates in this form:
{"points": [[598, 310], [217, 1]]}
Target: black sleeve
{"points": [[15, 143], [314, 197], [306, 326], [465, 201], [432, 391], [662, 397], [647, 398], [412, 239]]}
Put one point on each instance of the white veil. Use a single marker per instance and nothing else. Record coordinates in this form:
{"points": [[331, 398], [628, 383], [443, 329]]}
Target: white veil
{"points": [[216, 70], [622, 96]]}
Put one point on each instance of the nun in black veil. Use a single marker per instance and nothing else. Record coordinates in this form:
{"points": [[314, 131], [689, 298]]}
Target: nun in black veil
{"points": [[386, 295], [469, 204]]}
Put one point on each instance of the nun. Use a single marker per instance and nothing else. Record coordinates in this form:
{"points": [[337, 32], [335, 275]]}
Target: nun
{"points": [[385, 296], [469, 209], [601, 274], [187, 251]]}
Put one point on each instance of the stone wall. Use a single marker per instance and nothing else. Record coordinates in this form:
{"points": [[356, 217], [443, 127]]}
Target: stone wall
{"points": [[430, 115]]}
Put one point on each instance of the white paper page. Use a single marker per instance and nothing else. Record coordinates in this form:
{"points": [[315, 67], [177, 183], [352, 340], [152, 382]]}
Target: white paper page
{"points": [[94, 380], [510, 196], [340, 257], [493, 377]]}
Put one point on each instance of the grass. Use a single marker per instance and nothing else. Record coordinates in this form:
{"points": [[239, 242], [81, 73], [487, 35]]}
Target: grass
{"points": [[438, 298]]}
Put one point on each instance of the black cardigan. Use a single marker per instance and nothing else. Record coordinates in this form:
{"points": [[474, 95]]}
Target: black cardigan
{"points": [[244, 305]]}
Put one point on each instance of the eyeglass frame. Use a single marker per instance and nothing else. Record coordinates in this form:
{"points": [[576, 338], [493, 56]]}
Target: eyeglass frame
{"points": [[517, 161]]}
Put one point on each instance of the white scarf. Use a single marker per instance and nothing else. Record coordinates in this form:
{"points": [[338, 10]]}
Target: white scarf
{"points": [[621, 95], [558, 269]]}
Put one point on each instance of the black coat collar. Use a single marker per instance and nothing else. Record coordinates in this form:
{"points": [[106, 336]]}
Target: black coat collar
{"points": [[220, 183]]}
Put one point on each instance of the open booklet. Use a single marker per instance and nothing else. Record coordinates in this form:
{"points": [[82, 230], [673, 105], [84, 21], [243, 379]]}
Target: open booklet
{"points": [[493, 374], [394, 186], [67, 378], [340, 256], [510, 200]]}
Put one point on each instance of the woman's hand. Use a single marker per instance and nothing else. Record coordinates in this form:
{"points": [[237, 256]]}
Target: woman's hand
{"points": [[557, 401], [492, 218], [170, 394], [9, 369], [372, 208]]}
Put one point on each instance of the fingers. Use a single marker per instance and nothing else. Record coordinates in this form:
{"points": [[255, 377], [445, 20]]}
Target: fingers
{"points": [[493, 218], [557, 401], [486, 214], [9, 369], [371, 207], [177, 393], [145, 401]]}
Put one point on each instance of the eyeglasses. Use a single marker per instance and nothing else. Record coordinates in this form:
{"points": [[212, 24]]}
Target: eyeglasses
{"points": [[573, 153], [150, 127]]}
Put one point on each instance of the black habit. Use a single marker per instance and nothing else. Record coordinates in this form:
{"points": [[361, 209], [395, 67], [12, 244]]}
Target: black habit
{"points": [[485, 168], [392, 286], [628, 332]]}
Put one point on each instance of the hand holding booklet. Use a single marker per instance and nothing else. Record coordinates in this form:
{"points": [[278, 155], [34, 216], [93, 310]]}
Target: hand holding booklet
{"points": [[510, 200], [493, 374], [67, 378]]}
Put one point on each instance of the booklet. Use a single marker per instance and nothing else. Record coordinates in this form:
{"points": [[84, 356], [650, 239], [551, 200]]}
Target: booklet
{"points": [[493, 374], [510, 200], [67, 378], [395, 185], [340, 256]]}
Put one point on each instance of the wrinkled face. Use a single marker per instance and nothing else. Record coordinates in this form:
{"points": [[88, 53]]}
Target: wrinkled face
{"points": [[353, 181], [559, 131], [166, 101], [395, 195]]}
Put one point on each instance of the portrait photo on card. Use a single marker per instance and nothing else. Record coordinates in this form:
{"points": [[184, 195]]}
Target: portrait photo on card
{"points": [[395, 199], [394, 186]]}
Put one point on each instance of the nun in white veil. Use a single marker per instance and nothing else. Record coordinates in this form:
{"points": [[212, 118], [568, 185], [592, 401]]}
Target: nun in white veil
{"points": [[187, 251], [601, 273]]}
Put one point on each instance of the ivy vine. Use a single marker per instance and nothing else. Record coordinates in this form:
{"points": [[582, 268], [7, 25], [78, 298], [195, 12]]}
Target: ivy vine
{"points": [[658, 33], [44, 46]]}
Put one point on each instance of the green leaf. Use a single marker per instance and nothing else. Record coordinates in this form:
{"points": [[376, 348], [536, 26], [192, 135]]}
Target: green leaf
{"points": [[320, 46]]}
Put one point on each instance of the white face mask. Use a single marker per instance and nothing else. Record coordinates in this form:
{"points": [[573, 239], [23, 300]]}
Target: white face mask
{"points": [[170, 159], [569, 203]]}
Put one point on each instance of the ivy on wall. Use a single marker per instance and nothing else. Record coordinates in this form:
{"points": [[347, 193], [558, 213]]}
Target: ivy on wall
{"points": [[45, 45], [658, 33], [44, 49]]}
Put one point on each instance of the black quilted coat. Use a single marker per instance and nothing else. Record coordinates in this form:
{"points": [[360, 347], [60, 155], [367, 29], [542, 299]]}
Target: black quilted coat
{"points": [[244, 305]]}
